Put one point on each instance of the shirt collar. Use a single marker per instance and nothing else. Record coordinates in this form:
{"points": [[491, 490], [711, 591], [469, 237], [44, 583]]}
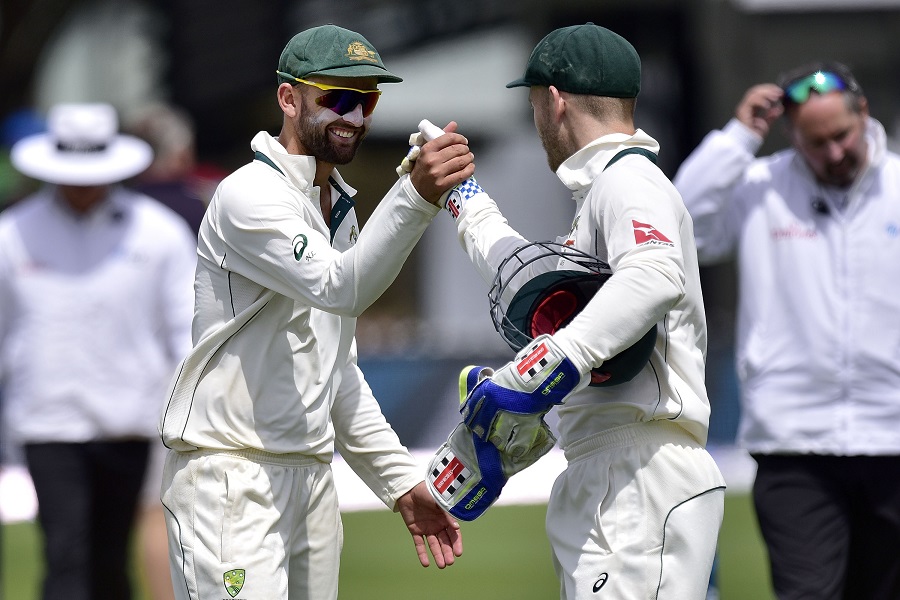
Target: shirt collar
{"points": [[579, 170], [113, 204], [300, 169]]}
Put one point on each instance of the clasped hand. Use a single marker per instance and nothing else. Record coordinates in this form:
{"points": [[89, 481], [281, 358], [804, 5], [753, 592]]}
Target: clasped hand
{"points": [[438, 165]]}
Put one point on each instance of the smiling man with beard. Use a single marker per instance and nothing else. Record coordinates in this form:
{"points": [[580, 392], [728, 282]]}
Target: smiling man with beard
{"points": [[272, 385]]}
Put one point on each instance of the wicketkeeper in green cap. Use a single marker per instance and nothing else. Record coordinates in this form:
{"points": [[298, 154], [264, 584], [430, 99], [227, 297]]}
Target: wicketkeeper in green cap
{"points": [[272, 386], [636, 513]]}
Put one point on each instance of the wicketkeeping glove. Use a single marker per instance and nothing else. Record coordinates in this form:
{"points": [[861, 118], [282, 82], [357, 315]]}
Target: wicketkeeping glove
{"points": [[427, 132], [503, 430], [505, 407]]}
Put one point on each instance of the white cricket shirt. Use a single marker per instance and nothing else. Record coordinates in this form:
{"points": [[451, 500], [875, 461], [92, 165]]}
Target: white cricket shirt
{"points": [[274, 363], [818, 328], [631, 217]]}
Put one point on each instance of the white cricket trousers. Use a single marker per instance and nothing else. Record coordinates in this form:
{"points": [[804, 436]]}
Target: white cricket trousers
{"points": [[250, 524], [636, 515]]}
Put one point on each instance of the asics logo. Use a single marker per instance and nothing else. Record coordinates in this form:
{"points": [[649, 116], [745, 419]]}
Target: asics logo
{"points": [[300, 243], [601, 581]]}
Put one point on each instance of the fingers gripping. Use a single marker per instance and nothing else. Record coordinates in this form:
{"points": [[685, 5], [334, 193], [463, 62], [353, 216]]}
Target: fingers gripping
{"points": [[416, 140], [427, 132]]}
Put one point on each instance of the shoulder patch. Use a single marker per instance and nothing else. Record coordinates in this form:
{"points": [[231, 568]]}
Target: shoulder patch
{"points": [[644, 233]]}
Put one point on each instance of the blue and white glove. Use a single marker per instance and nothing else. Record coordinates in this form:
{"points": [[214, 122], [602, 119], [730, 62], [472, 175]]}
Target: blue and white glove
{"points": [[503, 429], [467, 474], [506, 407]]}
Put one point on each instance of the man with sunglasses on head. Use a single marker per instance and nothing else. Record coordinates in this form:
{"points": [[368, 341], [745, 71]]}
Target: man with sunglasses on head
{"points": [[815, 230], [271, 386]]}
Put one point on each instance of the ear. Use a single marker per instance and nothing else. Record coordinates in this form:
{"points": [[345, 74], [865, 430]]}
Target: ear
{"points": [[558, 104], [289, 100]]}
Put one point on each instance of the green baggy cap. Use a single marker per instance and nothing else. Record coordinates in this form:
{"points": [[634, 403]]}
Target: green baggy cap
{"points": [[584, 59], [331, 50]]}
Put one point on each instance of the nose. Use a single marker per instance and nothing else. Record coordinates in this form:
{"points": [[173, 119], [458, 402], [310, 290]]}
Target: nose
{"points": [[835, 152], [355, 116]]}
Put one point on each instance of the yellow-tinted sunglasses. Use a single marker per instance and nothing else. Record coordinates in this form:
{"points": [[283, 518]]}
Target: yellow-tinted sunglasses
{"points": [[341, 99]]}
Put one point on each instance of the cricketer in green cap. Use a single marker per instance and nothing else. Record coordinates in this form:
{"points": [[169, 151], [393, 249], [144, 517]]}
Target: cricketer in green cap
{"points": [[584, 59], [285, 261], [647, 322], [333, 51]]}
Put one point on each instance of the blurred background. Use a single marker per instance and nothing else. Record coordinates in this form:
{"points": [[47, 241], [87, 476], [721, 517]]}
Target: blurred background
{"points": [[212, 63], [196, 78]]}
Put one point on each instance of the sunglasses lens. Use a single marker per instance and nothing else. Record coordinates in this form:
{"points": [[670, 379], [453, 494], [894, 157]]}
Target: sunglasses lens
{"points": [[344, 101], [799, 91]]}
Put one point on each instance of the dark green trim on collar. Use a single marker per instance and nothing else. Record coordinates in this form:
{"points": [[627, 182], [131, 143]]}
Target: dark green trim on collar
{"points": [[643, 151], [341, 208], [263, 158]]}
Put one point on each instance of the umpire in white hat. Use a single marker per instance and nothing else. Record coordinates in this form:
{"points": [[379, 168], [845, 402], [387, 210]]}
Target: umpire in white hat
{"points": [[96, 300]]}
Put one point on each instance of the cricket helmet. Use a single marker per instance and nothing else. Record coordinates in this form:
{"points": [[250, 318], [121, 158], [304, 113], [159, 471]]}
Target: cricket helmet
{"points": [[541, 287]]}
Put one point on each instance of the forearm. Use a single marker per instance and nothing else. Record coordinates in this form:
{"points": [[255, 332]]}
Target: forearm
{"points": [[386, 469], [367, 442], [485, 235], [387, 239], [628, 305]]}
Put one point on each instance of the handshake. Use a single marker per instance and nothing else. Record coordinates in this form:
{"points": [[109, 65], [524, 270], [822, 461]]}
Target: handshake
{"points": [[503, 429], [454, 199], [427, 132]]}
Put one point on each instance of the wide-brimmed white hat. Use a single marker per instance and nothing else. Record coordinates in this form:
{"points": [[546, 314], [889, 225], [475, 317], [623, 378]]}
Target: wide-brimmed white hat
{"points": [[82, 146]]}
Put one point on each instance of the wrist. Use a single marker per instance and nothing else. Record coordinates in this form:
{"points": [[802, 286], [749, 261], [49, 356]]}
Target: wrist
{"points": [[747, 137]]}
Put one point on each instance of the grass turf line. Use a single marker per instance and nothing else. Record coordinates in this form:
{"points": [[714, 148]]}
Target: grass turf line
{"points": [[506, 557]]}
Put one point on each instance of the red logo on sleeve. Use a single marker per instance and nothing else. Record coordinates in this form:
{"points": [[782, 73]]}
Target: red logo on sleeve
{"points": [[644, 233]]}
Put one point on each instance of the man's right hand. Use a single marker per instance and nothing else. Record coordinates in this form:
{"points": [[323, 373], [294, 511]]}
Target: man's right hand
{"points": [[760, 107], [442, 163]]}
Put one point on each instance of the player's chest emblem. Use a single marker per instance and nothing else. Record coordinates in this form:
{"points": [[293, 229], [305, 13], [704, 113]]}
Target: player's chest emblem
{"points": [[234, 581], [570, 238]]}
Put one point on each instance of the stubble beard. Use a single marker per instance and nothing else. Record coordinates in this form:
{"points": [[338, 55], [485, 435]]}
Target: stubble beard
{"points": [[315, 139], [552, 148], [843, 174]]}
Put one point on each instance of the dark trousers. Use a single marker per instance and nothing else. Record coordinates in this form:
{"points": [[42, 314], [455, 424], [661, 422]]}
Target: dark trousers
{"points": [[87, 498], [831, 525]]}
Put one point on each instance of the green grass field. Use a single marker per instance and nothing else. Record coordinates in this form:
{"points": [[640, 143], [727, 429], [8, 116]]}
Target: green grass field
{"points": [[506, 558]]}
